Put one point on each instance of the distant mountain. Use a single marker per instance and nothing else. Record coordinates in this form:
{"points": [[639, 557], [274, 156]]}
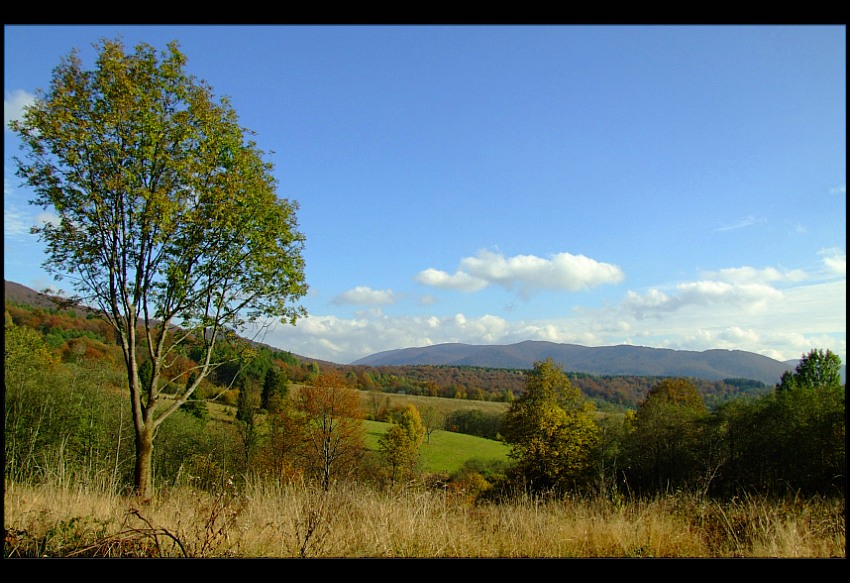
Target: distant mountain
{"points": [[603, 360]]}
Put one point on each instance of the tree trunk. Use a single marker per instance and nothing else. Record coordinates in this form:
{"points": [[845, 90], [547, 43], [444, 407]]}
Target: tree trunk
{"points": [[144, 464]]}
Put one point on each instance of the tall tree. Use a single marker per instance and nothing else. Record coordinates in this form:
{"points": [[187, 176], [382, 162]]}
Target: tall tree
{"points": [[551, 430], [665, 441], [246, 421], [275, 389], [400, 444], [167, 217], [811, 402], [335, 434], [432, 419]]}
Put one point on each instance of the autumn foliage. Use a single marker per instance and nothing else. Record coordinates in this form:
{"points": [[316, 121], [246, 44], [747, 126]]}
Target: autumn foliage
{"points": [[334, 434]]}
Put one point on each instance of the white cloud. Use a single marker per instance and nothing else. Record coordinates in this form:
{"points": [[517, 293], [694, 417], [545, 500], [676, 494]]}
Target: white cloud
{"points": [[526, 273], [742, 224], [835, 261], [428, 300], [13, 105], [753, 275], [750, 296], [344, 340], [653, 299], [742, 313], [47, 217], [365, 296], [713, 292], [14, 223], [459, 281], [785, 327]]}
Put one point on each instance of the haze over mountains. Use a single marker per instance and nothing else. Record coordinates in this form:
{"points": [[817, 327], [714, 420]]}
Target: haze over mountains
{"points": [[603, 360]]}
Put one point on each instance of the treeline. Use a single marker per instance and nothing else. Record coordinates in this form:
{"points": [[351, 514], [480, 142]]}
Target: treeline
{"points": [[504, 385], [786, 441]]}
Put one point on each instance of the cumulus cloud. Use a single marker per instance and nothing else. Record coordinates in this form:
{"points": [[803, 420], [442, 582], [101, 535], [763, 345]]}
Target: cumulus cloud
{"points": [[347, 339], [525, 273], [741, 308], [713, 292], [835, 261], [365, 296], [459, 281], [751, 296], [14, 103]]}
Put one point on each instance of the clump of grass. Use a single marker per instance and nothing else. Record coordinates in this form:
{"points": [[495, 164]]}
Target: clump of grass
{"points": [[76, 521], [752, 526]]}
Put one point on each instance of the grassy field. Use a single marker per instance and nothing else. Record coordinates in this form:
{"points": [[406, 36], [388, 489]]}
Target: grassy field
{"points": [[351, 520], [446, 451], [371, 400]]}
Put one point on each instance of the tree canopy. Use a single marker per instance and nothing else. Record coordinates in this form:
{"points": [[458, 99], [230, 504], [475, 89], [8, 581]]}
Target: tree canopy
{"points": [[818, 369]]}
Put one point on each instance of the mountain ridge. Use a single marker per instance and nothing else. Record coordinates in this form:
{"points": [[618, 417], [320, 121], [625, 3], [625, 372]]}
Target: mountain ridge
{"points": [[623, 359]]}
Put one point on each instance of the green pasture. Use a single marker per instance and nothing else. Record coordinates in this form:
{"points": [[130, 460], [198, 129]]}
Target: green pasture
{"points": [[446, 451]]}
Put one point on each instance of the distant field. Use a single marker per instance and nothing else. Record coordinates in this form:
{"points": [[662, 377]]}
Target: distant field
{"points": [[447, 451], [370, 400]]}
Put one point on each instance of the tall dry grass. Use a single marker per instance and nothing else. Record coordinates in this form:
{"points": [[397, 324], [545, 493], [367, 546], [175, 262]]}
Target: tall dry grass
{"points": [[300, 520]]}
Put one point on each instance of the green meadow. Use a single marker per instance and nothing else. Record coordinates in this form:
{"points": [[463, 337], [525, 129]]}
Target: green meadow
{"points": [[446, 451]]}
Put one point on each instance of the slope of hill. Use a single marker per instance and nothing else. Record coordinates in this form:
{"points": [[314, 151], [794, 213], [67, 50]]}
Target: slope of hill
{"points": [[603, 360], [15, 292]]}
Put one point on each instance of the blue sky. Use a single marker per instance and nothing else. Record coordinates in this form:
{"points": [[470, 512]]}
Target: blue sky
{"points": [[674, 186]]}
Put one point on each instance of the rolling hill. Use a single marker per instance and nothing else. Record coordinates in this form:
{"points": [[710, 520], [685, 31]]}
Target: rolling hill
{"points": [[603, 360]]}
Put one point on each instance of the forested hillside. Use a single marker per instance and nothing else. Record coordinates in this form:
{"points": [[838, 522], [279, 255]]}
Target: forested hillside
{"points": [[621, 360]]}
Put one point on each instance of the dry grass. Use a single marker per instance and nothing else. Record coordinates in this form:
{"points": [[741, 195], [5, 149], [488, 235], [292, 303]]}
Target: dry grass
{"points": [[299, 520]]}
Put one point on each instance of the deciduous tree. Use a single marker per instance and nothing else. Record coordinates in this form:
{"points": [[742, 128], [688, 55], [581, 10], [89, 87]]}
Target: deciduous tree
{"points": [[432, 419], [166, 216], [401, 443], [335, 434], [818, 369], [246, 420], [551, 430], [665, 444], [811, 402]]}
